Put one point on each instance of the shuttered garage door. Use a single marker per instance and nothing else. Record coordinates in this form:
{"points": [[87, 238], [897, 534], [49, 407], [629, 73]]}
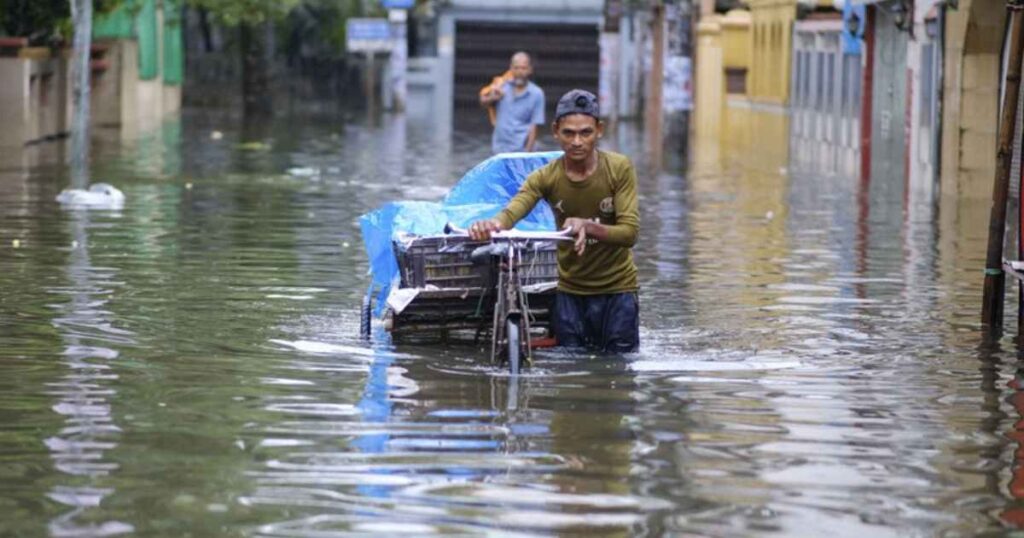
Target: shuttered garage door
{"points": [[566, 56]]}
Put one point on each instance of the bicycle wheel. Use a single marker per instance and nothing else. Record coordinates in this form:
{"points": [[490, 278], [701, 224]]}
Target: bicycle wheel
{"points": [[365, 318], [514, 345]]}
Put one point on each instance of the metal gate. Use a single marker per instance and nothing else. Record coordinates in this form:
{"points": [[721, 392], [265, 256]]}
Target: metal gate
{"points": [[825, 102], [565, 56]]}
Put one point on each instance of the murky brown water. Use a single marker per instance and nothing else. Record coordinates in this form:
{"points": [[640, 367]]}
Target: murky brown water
{"points": [[811, 363]]}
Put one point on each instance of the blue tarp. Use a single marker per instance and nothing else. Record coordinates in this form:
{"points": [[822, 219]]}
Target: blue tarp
{"points": [[480, 194]]}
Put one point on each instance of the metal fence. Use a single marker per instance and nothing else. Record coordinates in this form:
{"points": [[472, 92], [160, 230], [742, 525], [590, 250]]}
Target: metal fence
{"points": [[825, 103]]}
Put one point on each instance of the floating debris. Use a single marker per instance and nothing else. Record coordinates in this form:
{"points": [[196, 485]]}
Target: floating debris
{"points": [[98, 196], [304, 171], [254, 146]]}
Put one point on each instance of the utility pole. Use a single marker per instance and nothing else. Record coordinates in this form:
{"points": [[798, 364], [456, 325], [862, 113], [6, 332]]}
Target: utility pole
{"points": [[371, 85], [81, 16], [398, 60], [995, 278], [653, 113]]}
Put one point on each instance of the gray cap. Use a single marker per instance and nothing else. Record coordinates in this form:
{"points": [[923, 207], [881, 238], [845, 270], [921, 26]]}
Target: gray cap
{"points": [[577, 102]]}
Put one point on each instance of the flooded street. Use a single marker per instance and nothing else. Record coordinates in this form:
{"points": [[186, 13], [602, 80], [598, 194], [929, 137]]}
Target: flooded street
{"points": [[811, 362]]}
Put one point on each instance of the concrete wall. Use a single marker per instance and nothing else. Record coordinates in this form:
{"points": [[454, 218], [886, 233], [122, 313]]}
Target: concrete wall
{"points": [[35, 94], [889, 102], [923, 61], [32, 90], [733, 127], [514, 7], [772, 44], [737, 47], [974, 40], [107, 87]]}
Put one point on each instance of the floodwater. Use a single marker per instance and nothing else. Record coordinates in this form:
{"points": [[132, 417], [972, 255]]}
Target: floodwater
{"points": [[189, 366]]}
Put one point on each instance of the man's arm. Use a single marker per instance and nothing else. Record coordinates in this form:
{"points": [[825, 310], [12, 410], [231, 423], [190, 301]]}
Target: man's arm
{"points": [[531, 137], [523, 202], [627, 218], [493, 92], [627, 212], [536, 120]]}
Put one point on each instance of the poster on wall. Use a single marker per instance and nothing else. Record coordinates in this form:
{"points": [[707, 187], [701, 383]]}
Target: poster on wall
{"points": [[678, 90], [854, 23]]}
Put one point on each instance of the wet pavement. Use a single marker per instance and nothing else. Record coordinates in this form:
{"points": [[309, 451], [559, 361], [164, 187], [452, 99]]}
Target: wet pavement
{"points": [[811, 360]]}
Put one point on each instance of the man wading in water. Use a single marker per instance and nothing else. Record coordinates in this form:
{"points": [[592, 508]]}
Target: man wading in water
{"points": [[519, 104], [593, 193]]}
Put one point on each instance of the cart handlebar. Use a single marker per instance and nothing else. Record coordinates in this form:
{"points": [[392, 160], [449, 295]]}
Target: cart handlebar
{"points": [[510, 235]]}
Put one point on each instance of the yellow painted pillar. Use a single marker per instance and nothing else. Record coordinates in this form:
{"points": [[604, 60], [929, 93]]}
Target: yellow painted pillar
{"points": [[737, 48], [710, 95], [710, 83], [974, 41], [736, 59]]}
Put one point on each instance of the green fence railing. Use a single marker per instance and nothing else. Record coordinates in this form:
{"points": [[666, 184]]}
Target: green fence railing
{"points": [[174, 61], [158, 51]]}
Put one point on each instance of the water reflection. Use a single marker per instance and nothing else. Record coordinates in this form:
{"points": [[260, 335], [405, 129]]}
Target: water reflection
{"points": [[1013, 513], [467, 452], [84, 394], [810, 360]]}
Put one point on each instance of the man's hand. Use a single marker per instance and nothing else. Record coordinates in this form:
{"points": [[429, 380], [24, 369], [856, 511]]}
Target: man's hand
{"points": [[578, 227], [492, 97], [481, 230]]}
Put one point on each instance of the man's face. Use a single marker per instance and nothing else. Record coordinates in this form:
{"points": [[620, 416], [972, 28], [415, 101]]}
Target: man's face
{"points": [[578, 134], [521, 69]]}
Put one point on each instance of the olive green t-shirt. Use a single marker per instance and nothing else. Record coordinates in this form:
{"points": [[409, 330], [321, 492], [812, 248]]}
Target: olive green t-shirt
{"points": [[607, 196]]}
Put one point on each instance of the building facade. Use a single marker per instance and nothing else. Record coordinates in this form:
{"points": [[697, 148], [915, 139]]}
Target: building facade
{"points": [[596, 45], [974, 39], [136, 74]]}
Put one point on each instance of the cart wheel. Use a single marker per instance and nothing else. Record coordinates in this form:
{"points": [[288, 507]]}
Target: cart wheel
{"points": [[514, 345], [365, 315]]}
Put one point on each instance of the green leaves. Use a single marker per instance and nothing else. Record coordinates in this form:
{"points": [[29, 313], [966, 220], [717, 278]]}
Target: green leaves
{"points": [[234, 12], [41, 20]]}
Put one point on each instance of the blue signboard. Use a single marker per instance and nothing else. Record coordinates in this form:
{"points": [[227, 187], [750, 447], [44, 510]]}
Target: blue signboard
{"points": [[368, 35], [397, 4]]}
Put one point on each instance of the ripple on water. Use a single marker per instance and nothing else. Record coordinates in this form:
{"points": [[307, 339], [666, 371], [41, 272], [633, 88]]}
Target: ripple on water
{"points": [[811, 362]]}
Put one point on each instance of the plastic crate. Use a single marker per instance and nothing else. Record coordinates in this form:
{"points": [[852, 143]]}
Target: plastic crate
{"points": [[441, 261], [539, 264], [444, 262]]}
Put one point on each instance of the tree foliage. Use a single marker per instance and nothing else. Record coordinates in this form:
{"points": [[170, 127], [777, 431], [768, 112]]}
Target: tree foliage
{"points": [[234, 12], [43, 21], [320, 24]]}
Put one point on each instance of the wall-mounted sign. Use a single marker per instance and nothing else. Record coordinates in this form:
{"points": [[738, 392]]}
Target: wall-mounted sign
{"points": [[368, 35]]}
